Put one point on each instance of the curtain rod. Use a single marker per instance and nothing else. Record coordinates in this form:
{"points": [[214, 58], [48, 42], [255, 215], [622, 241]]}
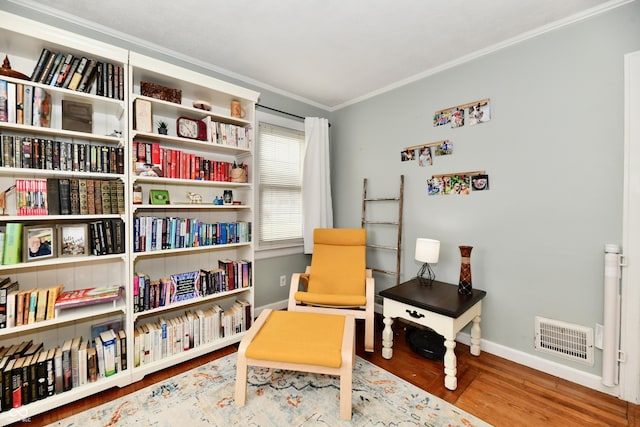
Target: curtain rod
{"points": [[282, 112]]}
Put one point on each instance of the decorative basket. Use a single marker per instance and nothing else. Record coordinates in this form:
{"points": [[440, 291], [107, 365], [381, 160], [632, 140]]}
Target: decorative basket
{"points": [[163, 93]]}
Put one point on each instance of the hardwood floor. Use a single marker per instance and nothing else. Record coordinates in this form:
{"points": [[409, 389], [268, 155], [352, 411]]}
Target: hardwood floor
{"points": [[496, 390]]}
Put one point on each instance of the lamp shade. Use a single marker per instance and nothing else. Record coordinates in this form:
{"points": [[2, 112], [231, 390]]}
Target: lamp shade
{"points": [[427, 250]]}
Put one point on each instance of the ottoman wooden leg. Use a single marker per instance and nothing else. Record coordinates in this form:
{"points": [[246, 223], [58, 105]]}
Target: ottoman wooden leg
{"points": [[241, 361]]}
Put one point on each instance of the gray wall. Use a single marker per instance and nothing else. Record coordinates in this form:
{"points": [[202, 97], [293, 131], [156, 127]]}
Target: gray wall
{"points": [[554, 153]]}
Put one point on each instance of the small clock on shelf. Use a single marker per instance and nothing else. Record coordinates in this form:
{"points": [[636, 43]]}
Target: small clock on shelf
{"points": [[191, 128]]}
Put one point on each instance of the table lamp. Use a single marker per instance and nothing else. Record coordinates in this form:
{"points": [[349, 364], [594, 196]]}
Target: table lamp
{"points": [[427, 251]]}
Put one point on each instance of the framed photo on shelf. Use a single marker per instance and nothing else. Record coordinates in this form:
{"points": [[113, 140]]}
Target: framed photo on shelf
{"points": [[159, 197], [39, 242], [73, 240]]}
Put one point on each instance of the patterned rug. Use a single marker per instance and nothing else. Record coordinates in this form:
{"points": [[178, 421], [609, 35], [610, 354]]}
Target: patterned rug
{"points": [[204, 397]]}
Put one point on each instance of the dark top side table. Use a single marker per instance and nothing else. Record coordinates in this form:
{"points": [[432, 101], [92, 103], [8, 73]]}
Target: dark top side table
{"points": [[438, 306]]}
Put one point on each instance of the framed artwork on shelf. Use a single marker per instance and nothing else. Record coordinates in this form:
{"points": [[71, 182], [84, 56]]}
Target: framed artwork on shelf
{"points": [[159, 197], [73, 240], [39, 242]]}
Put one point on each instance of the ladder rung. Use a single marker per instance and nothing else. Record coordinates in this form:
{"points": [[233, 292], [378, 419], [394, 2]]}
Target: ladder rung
{"points": [[392, 248], [390, 273], [382, 199], [382, 222]]}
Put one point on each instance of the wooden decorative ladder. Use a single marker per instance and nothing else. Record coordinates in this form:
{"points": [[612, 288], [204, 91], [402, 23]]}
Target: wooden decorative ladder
{"points": [[366, 223]]}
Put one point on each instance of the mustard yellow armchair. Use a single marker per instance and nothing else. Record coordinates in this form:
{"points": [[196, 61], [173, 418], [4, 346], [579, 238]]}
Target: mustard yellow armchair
{"points": [[337, 281]]}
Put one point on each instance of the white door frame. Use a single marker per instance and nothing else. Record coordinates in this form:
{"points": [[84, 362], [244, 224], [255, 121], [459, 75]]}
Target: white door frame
{"points": [[630, 287]]}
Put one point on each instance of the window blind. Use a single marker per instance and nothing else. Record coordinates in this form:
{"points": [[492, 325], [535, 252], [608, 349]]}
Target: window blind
{"points": [[280, 162]]}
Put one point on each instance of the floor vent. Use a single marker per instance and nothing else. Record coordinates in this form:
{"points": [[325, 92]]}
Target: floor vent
{"points": [[572, 342]]}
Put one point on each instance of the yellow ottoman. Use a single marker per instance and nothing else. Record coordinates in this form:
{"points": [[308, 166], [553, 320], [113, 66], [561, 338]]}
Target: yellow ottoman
{"points": [[300, 341]]}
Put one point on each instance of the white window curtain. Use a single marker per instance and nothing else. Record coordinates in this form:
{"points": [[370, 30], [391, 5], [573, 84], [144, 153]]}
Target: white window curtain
{"points": [[317, 209]]}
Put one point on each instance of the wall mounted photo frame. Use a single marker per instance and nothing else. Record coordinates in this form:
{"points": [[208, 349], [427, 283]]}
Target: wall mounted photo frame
{"points": [[73, 240], [159, 197], [39, 243]]}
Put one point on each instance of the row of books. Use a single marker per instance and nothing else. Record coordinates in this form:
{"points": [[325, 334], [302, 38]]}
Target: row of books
{"points": [[228, 134], [79, 74], [155, 233], [24, 104], [167, 337], [40, 153], [69, 196], [28, 306], [150, 293], [150, 159], [31, 373], [107, 236]]}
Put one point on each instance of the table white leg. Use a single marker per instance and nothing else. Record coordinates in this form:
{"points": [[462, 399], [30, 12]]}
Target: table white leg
{"points": [[450, 365], [475, 336], [387, 338]]}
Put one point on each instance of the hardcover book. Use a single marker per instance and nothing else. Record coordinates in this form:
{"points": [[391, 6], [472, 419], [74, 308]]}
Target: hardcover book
{"points": [[88, 296], [12, 252]]}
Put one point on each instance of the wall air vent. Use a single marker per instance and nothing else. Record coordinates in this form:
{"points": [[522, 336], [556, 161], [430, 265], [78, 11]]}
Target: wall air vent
{"points": [[569, 341]]}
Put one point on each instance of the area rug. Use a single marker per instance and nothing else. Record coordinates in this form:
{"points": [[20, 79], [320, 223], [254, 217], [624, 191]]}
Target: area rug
{"points": [[204, 397]]}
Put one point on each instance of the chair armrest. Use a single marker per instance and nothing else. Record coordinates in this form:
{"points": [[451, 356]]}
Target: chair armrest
{"points": [[296, 280], [370, 290]]}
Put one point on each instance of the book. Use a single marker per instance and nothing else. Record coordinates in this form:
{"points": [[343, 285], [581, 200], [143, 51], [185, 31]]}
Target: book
{"points": [[50, 361], [77, 75], [122, 336], [7, 395], [92, 365], [27, 104], [99, 356], [64, 71], [57, 367], [41, 375], [64, 188], [74, 194], [16, 383], [48, 65], [52, 297], [41, 114], [12, 251], [71, 72], [40, 64], [58, 60], [75, 363], [67, 382], [6, 286], [88, 76], [26, 379], [109, 349], [11, 307], [88, 296], [53, 196], [4, 105], [41, 308], [82, 362]]}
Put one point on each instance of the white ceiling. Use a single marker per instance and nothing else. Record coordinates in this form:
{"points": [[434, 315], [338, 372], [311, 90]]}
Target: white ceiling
{"points": [[329, 53]]}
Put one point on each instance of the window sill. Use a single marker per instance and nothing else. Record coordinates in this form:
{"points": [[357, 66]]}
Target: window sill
{"points": [[265, 253]]}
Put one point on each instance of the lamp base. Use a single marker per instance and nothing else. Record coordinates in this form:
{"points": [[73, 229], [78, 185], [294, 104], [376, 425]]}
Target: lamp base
{"points": [[425, 342]]}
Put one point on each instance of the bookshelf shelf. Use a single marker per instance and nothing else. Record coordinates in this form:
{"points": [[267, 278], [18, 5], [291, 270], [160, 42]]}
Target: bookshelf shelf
{"points": [[69, 316], [180, 305]]}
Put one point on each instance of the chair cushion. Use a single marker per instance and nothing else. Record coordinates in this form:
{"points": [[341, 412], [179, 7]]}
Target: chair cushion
{"points": [[331, 300], [299, 337], [338, 263]]}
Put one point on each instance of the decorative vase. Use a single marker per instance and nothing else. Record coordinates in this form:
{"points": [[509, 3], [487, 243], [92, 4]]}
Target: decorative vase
{"points": [[464, 285]]}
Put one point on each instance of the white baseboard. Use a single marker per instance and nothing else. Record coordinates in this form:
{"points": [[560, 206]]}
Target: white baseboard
{"points": [[559, 370]]}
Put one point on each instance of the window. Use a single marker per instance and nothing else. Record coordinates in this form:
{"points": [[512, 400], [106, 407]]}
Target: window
{"points": [[280, 158]]}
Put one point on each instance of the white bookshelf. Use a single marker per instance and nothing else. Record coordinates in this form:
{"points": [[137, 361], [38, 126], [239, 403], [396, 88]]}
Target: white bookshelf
{"points": [[22, 40]]}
